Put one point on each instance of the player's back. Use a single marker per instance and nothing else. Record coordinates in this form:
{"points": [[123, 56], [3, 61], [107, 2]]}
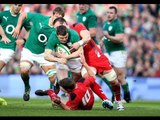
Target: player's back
{"points": [[85, 96], [82, 96]]}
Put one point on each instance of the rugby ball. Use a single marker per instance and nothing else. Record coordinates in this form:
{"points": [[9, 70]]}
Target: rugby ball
{"points": [[3, 102], [63, 49]]}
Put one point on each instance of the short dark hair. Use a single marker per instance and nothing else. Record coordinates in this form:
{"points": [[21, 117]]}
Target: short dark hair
{"points": [[67, 83], [113, 7], [60, 19], [59, 10], [61, 30]]}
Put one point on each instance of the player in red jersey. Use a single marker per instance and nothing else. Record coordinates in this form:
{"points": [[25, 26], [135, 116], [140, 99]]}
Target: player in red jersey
{"points": [[95, 58], [80, 94]]}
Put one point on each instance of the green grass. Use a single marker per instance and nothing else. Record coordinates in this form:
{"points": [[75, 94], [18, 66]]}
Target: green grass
{"points": [[43, 107]]}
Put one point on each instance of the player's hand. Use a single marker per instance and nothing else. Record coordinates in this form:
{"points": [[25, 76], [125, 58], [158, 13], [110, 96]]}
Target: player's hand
{"points": [[56, 99], [16, 32], [106, 34], [5, 40], [75, 46], [20, 42], [61, 55], [62, 61]]}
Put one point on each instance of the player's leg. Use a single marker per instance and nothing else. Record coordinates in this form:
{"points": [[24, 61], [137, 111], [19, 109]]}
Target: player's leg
{"points": [[124, 84], [25, 67], [5, 56], [96, 88], [120, 69], [108, 84], [51, 73], [2, 64], [112, 77], [26, 63]]}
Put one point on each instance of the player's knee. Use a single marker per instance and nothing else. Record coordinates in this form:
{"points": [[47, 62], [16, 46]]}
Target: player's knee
{"points": [[25, 67], [51, 73], [110, 76]]}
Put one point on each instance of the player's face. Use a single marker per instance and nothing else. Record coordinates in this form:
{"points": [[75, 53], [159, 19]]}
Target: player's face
{"points": [[83, 8], [111, 15], [63, 39], [16, 8]]}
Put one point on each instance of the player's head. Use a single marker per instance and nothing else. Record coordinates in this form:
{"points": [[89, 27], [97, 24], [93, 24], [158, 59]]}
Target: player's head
{"points": [[67, 84], [62, 33], [16, 8], [58, 12], [83, 8], [59, 21], [111, 13]]}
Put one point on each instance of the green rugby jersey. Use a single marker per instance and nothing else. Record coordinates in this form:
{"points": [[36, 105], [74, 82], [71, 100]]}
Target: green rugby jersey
{"points": [[39, 33], [89, 19], [113, 28], [8, 23], [54, 41]]}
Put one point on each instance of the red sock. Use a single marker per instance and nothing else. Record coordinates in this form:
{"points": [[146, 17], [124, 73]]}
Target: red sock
{"points": [[51, 93], [98, 90], [116, 91]]}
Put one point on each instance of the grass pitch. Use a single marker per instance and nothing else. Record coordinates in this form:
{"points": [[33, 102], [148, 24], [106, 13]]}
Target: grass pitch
{"points": [[43, 107]]}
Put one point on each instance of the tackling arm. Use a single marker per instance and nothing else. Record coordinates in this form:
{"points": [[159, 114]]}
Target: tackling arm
{"points": [[50, 57]]}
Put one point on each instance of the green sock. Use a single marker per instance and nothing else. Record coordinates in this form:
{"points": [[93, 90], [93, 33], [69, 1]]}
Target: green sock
{"points": [[125, 88], [108, 83], [26, 82], [51, 85], [70, 74]]}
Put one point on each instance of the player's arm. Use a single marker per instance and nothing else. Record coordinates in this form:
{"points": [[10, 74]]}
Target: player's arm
{"points": [[88, 68], [92, 25], [21, 19], [118, 38], [72, 55], [48, 55], [63, 106], [119, 33], [85, 39], [4, 37]]}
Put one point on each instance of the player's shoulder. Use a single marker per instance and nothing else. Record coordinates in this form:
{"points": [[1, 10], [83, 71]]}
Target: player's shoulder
{"points": [[118, 21], [5, 12]]}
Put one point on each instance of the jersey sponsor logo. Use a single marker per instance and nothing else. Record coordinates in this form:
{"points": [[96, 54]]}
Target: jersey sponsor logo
{"points": [[10, 29], [42, 38], [84, 19], [110, 28], [40, 24], [5, 18]]}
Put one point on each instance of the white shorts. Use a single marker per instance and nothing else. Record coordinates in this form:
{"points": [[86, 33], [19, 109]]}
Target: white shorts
{"points": [[117, 58], [6, 55], [74, 65], [39, 58]]}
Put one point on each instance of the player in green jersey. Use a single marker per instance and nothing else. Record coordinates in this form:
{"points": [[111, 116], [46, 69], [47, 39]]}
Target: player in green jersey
{"points": [[65, 36], [33, 50], [113, 31], [87, 16], [8, 22]]}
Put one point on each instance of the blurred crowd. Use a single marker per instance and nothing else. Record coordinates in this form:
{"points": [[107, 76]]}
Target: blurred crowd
{"points": [[142, 35]]}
